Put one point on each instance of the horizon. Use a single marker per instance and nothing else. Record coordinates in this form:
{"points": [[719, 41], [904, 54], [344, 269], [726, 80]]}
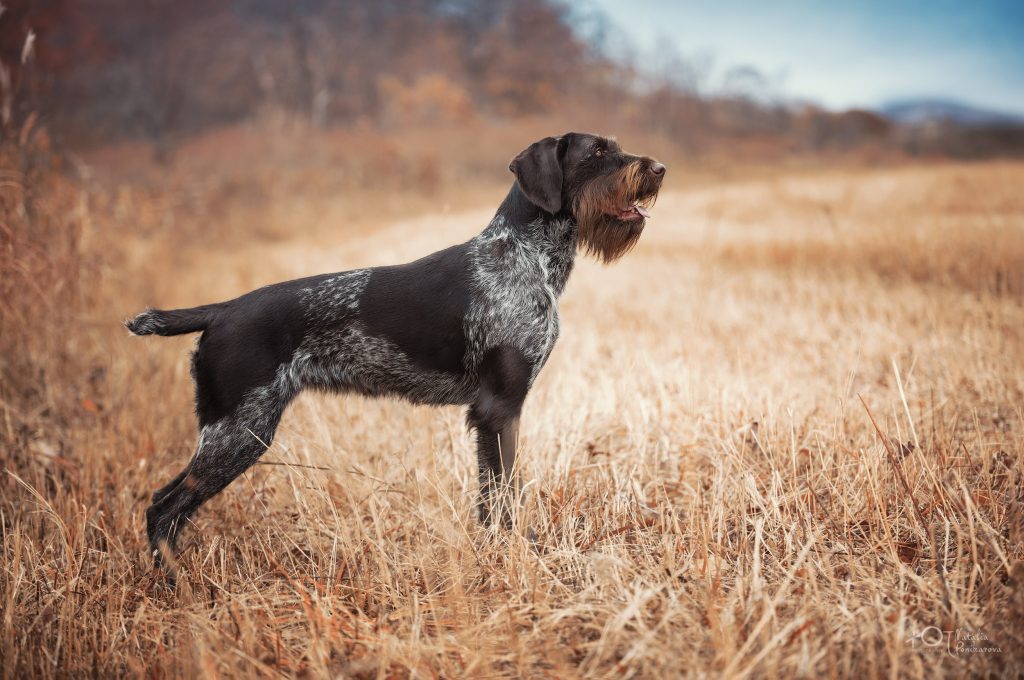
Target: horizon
{"points": [[865, 56]]}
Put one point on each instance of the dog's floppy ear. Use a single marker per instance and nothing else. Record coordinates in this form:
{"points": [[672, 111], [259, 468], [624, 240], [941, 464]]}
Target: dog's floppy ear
{"points": [[538, 171]]}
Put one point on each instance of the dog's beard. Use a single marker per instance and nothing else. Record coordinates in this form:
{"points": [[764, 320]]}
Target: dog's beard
{"points": [[611, 212], [608, 238]]}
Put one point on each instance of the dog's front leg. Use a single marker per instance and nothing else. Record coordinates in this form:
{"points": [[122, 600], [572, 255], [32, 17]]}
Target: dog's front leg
{"points": [[504, 382], [498, 477]]}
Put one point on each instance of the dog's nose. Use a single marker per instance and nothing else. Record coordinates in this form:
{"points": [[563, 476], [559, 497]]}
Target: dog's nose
{"points": [[657, 169]]}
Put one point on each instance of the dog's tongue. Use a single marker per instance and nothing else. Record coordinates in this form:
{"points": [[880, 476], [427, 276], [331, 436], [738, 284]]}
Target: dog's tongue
{"points": [[634, 212]]}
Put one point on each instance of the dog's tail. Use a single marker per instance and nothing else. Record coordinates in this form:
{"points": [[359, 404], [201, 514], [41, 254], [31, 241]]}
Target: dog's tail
{"points": [[172, 321]]}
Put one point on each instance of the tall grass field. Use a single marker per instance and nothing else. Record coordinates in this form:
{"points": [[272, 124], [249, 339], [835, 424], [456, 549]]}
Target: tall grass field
{"points": [[784, 437]]}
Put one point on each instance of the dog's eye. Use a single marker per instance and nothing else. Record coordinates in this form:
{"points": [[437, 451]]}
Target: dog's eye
{"points": [[599, 152]]}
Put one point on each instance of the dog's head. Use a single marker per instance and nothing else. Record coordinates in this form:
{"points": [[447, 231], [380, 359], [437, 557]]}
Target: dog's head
{"points": [[606, 190]]}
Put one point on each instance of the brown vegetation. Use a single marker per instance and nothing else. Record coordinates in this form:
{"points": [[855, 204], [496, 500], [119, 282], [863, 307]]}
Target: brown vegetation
{"points": [[716, 498]]}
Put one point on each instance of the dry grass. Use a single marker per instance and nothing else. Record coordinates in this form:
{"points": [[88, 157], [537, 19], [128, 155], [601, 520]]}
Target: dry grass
{"points": [[709, 488]]}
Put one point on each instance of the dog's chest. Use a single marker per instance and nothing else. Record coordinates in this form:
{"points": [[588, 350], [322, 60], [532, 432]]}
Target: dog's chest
{"points": [[516, 299]]}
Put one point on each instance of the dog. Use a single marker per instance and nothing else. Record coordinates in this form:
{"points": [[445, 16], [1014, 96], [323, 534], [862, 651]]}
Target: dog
{"points": [[469, 325]]}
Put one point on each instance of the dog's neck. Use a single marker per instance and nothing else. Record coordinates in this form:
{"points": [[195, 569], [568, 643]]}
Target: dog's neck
{"points": [[552, 237]]}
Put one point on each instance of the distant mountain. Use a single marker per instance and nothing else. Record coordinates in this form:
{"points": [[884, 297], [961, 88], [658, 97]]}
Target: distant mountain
{"points": [[919, 111]]}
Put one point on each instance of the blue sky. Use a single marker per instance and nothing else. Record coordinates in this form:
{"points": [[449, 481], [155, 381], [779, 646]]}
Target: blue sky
{"points": [[845, 54]]}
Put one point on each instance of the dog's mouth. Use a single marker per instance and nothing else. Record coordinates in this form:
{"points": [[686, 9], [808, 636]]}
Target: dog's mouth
{"points": [[638, 209], [634, 212]]}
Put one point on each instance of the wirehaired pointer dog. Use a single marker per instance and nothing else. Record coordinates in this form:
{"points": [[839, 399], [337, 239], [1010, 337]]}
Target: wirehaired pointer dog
{"points": [[472, 324]]}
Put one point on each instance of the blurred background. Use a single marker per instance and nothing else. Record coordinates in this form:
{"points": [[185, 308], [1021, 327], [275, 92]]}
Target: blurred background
{"points": [[394, 91]]}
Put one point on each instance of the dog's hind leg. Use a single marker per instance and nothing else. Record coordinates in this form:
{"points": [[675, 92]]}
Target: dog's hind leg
{"points": [[162, 492], [226, 449], [504, 382]]}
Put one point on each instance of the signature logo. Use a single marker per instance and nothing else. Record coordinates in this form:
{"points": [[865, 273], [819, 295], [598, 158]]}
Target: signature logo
{"points": [[955, 642]]}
